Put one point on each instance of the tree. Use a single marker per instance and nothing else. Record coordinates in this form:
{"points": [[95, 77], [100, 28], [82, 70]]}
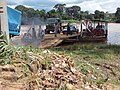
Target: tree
{"points": [[97, 14], [52, 13], [102, 15], [60, 7], [76, 9], [24, 10], [117, 15], [68, 11], [66, 17], [87, 12], [90, 16], [84, 15], [31, 12], [73, 11], [42, 14], [21, 8]]}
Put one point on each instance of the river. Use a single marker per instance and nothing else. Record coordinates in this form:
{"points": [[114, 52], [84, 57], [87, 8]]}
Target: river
{"points": [[113, 33]]}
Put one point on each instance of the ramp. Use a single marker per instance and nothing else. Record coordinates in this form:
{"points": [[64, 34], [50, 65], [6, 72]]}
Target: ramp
{"points": [[50, 43]]}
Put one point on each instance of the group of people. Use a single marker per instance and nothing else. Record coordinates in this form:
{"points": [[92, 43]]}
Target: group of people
{"points": [[57, 29], [99, 26]]}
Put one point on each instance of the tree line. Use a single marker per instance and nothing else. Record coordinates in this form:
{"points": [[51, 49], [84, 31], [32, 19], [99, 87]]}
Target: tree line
{"points": [[68, 13]]}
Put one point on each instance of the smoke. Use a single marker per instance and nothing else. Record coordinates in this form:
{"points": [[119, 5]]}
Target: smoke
{"points": [[34, 33], [33, 20]]}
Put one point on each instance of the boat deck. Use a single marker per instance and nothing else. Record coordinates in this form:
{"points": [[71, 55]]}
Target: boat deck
{"points": [[59, 36], [50, 40]]}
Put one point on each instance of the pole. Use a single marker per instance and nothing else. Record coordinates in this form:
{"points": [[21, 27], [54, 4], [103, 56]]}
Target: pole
{"points": [[106, 25], [4, 19], [0, 25]]}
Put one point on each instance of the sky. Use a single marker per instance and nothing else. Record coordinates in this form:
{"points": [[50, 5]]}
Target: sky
{"points": [[86, 5]]}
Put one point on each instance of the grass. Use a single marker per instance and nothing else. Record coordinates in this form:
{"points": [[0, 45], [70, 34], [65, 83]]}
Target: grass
{"points": [[103, 61]]}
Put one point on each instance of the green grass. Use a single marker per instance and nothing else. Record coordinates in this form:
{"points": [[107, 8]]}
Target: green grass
{"points": [[102, 60]]}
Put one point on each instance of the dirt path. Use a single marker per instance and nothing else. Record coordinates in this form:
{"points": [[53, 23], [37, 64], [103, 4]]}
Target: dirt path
{"points": [[10, 79]]}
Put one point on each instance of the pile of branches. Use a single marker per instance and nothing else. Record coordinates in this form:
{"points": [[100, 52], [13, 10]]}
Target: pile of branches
{"points": [[50, 71], [58, 73]]}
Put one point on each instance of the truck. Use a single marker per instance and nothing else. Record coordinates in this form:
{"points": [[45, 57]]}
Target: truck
{"points": [[50, 22], [14, 21]]}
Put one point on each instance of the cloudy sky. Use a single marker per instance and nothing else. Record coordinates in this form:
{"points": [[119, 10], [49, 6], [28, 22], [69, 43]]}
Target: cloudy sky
{"points": [[86, 5]]}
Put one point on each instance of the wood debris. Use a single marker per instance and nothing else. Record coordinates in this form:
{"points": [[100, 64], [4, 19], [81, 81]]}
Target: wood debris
{"points": [[60, 73]]}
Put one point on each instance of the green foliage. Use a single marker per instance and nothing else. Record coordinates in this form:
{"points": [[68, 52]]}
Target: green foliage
{"points": [[66, 17], [117, 14], [99, 15], [6, 50], [52, 13], [28, 13], [60, 8], [67, 13]]}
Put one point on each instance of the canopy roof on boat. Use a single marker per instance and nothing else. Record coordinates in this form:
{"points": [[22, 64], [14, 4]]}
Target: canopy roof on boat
{"points": [[96, 20]]}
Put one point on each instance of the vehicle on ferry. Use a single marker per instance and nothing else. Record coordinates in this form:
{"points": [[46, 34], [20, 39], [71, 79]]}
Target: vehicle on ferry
{"points": [[73, 29], [94, 28]]}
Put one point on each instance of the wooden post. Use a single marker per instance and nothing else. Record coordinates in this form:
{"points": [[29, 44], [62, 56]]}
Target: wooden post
{"points": [[4, 18], [0, 25], [106, 25], [1, 11]]}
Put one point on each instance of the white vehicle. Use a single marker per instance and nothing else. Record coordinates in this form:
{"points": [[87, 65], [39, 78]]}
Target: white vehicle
{"points": [[73, 29]]}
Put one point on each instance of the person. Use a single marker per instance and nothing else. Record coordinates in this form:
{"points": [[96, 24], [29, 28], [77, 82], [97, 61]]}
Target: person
{"points": [[56, 29], [68, 29], [60, 27], [34, 33], [98, 26], [41, 33]]}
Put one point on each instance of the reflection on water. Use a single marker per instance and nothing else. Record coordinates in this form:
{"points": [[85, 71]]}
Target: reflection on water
{"points": [[114, 33]]}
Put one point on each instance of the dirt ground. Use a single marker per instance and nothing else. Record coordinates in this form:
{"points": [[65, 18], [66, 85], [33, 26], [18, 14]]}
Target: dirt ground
{"points": [[10, 79]]}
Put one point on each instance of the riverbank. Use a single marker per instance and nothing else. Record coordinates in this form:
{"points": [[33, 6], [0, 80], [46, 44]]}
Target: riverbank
{"points": [[85, 66], [99, 60]]}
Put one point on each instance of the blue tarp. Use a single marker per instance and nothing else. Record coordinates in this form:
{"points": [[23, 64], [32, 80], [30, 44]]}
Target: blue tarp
{"points": [[14, 21]]}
